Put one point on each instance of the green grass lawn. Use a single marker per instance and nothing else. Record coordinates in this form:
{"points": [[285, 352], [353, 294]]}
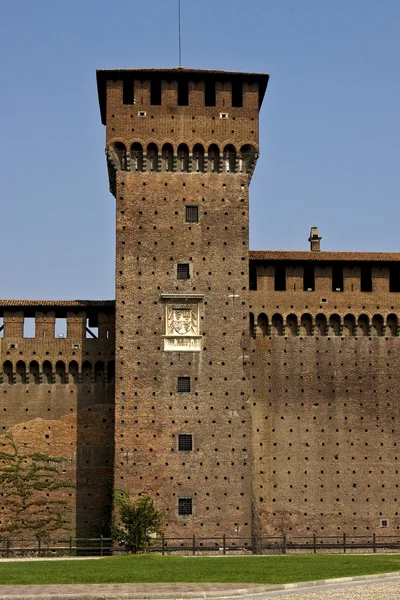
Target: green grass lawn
{"points": [[173, 569]]}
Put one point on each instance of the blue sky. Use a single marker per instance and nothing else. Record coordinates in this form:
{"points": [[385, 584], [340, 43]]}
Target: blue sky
{"points": [[330, 124]]}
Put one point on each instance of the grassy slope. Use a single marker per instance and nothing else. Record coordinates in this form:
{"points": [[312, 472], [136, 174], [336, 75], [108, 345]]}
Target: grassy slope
{"points": [[157, 569]]}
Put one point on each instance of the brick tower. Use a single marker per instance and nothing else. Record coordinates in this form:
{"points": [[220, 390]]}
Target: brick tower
{"points": [[181, 148]]}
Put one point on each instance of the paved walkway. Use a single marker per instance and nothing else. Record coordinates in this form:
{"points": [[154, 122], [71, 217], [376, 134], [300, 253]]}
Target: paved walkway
{"points": [[371, 587]]}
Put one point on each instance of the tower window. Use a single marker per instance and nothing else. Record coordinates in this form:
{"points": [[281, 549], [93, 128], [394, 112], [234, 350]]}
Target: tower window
{"points": [[209, 93], [185, 506], [280, 278], [185, 442], [183, 384], [183, 92], [237, 93], [308, 278], [394, 279], [337, 278], [155, 92], [366, 278], [128, 91], [191, 214], [182, 271]]}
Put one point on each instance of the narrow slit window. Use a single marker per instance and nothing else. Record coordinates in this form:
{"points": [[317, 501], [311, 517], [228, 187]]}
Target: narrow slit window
{"points": [[366, 278], [252, 276], [183, 384], [183, 271], [394, 279], [309, 278], [185, 506], [337, 278], [185, 442], [128, 91], [155, 92], [237, 93], [183, 92], [280, 278], [209, 93], [191, 214], [1, 327]]}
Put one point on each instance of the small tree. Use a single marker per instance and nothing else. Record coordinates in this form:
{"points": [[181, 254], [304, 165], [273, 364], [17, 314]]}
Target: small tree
{"points": [[140, 522], [30, 487]]}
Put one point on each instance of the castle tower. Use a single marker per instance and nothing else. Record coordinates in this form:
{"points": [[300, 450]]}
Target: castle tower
{"points": [[181, 148]]}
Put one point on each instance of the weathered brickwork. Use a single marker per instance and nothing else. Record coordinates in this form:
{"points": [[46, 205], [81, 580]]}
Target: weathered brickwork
{"points": [[255, 392]]}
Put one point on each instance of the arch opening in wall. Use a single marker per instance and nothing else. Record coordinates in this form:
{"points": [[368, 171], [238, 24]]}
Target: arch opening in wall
{"points": [[86, 373], [377, 325], [99, 372], [363, 325], [34, 372], [247, 158], [392, 324], [60, 372], [120, 152], [277, 324], [182, 159], [198, 158], [262, 324], [167, 158], [321, 324], [213, 158], [73, 372], [291, 324], [349, 325], [252, 327], [111, 371], [306, 324], [8, 372], [334, 324], [20, 372], [136, 157], [229, 159], [47, 372], [152, 158]]}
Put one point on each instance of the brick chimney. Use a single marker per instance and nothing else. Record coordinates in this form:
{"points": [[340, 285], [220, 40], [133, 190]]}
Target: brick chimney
{"points": [[315, 239]]}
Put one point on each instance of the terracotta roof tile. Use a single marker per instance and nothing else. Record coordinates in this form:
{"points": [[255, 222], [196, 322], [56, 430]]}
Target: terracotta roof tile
{"points": [[294, 255]]}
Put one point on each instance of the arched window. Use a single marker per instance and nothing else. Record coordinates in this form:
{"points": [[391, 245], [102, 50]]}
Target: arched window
{"points": [[377, 325], [60, 372], [306, 324], [213, 158], [392, 323], [277, 324], [136, 157], [363, 325], [34, 372], [99, 372], [262, 324], [86, 373], [120, 152], [152, 158], [8, 372], [320, 324], [167, 158], [252, 326], [334, 325], [111, 371], [291, 324], [198, 158], [247, 158], [73, 372], [47, 372], [229, 159], [349, 325], [183, 159], [20, 372]]}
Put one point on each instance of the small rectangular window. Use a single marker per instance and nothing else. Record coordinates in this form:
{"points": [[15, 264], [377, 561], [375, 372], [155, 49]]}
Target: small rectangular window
{"points": [[308, 278], [128, 90], [155, 92], [280, 278], [337, 278], [384, 523], [366, 278], [60, 327], [182, 271], [209, 93], [191, 214], [29, 327], [183, 384], [394, 279], [237, 93], [183, 92], [185, 442], [185, 506]]}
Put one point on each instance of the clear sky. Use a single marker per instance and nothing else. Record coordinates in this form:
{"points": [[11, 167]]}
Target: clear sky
{"points": [[330, 124]]}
